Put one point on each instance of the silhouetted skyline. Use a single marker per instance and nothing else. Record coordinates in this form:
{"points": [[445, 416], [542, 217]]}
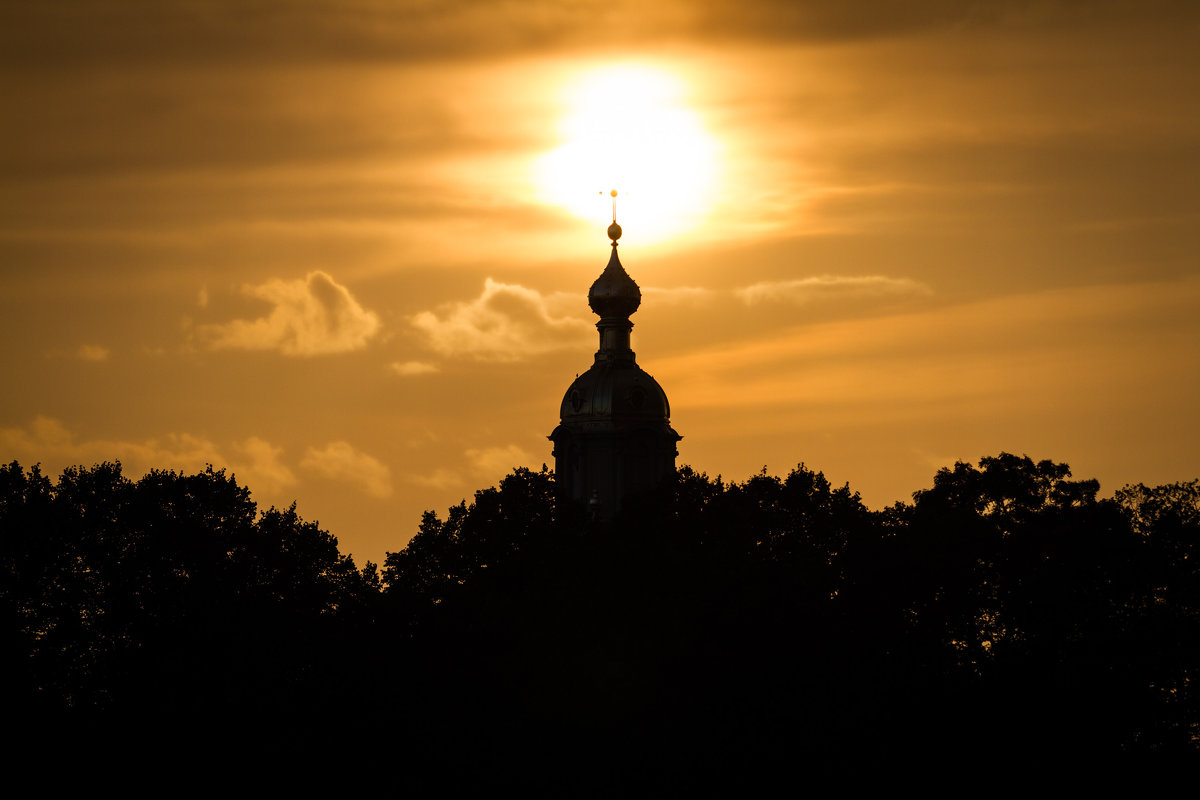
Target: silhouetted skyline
{"points": [[337, 248], [712, 635]]}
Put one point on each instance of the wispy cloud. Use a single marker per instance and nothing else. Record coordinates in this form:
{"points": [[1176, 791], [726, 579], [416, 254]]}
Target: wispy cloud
{"points": [[93, 352], [1057, 349], [506, 322], [495, 462], [409, 369], [679, 295], [829, 287], [340, 461], [311, 316]]}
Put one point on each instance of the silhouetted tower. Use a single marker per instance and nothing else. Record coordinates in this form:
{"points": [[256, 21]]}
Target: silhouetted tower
{"points": [[615, 439]]}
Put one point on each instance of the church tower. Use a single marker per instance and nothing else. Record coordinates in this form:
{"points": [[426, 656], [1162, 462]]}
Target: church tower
{"points": [[615, 440]]}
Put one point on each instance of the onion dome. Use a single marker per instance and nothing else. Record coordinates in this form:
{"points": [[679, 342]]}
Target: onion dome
{"points": [[614, 294]]}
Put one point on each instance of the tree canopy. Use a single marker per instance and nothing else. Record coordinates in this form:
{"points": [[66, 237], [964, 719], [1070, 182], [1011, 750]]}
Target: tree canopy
{"points": [[165, 598], [717, 631]]}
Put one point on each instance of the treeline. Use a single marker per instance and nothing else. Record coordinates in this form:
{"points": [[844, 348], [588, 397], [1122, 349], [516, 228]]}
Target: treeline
{"points": [[1006, 622]]}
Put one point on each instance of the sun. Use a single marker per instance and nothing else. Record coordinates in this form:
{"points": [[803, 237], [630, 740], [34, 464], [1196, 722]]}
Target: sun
{"points": [[626, 128]]}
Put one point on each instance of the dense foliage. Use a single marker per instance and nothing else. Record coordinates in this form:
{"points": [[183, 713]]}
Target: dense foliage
{"points": [[169, 602], [1006, 620]]}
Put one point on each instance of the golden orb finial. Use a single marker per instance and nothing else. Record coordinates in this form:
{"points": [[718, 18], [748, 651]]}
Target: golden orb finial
{"points": [[614, 230]]}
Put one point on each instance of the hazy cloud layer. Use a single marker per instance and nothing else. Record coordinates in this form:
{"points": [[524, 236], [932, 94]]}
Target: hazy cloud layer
{"points": [[506, 322], [408, 369], [828, 287], [313, 316], [1057, 348], [341, 462], [138, 30]]}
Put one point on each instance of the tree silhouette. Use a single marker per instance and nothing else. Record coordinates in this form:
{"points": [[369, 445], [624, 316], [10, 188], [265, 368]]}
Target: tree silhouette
{"points": [[717, 636], [168, 603], [745, 628]]}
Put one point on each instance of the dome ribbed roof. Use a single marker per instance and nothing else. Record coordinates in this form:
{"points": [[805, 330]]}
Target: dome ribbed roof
{"points": [[615, 392]]}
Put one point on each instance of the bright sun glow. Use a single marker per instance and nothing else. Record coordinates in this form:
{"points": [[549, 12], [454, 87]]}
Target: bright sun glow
{"points": [[625, 129]]}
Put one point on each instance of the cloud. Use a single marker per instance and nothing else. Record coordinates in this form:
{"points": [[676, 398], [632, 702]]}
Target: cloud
{"points": [[440, 478], [679, 295], [340, 461], [47, 440], [487, 463], [829, 287], [93, 352], [1064, 357], [408, 369], [44, 435], [261, 467], [498, 461], [122, 30], [313, 316], [505, 323]]}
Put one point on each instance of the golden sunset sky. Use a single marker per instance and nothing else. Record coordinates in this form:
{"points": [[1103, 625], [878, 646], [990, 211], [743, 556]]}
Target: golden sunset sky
{"points": [[342, 247]]}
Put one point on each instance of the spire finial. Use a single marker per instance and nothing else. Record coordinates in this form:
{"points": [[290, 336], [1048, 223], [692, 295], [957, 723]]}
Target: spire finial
{"points": [[614, 230], [614, 295]]}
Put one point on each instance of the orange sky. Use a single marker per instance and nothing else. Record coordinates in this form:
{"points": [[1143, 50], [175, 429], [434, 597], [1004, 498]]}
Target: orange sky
{"points": [[309, 242]]}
